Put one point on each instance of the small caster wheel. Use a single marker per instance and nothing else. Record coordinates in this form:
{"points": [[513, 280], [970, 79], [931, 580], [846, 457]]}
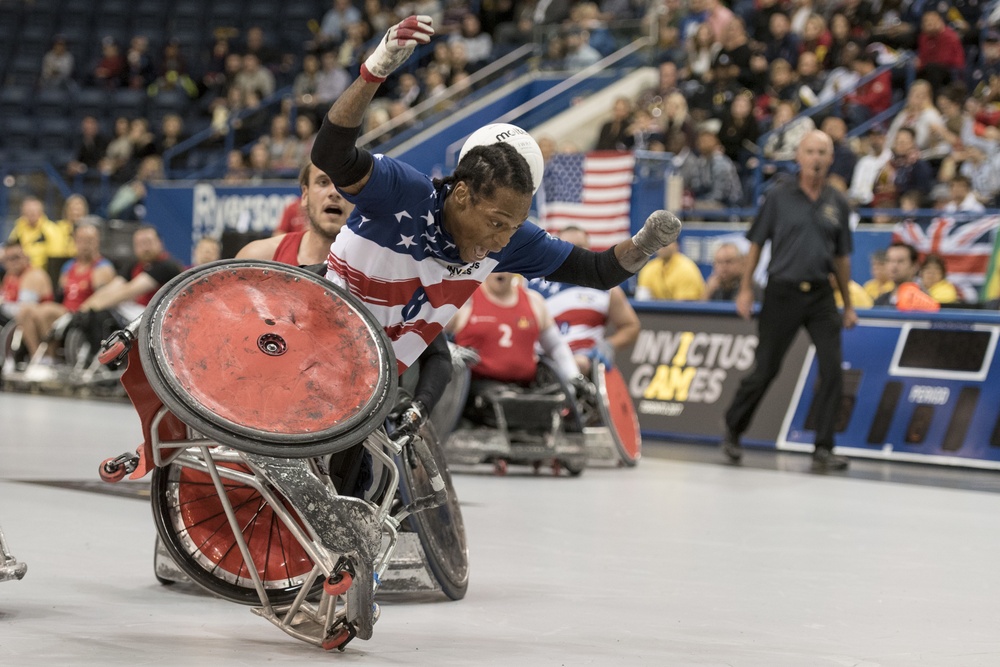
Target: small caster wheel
{"points": [[573, 469], [338, 584], [557, 467], [500, 467], [338, 640], [536, 466], [111, 471]]}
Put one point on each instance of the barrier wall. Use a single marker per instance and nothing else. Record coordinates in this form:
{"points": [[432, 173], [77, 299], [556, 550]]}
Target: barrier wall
{"points": [[918, 386]]}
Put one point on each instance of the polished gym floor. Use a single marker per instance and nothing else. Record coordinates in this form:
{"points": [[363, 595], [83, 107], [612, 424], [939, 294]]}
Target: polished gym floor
{"points": [[681, 561]]}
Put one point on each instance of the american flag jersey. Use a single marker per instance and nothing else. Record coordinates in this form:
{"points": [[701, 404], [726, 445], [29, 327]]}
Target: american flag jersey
{"points": [[395, 255], [580, 312]]}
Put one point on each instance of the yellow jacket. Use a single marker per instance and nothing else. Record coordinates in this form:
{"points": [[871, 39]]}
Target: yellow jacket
{"points": [[61, 242], [875, 289], [35, 241], [859, 296], [943, 292], [678, 279]]}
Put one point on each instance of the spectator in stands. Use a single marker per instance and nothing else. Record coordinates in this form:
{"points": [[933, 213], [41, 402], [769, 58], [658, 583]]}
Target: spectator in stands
{"points": [[758, 19], [256, 44], [516, 33], [844, 159], [727, 270], [171, 134], [22, 283], [139, 68], [712, 99], [859, 15], [172, 72], [747, 68], [353, 49], [579, 52], [259, 163], [333, 27], [110, 69], [478, 44], [57, 65], [119, 150], [901, 264], [236, 168], [331, 81], [407, 90], [677, 120], [920, 115], [719, 18], [305, 86], [252, 118], [670, 276], [841, 34], [701, 51], [282, 146], [843, 78], [710, 176], [781, 87], [32, 232], [645, 133], [128, 202], [810, 78], [869, 166], [206, 250], [786, 133], [940, 56], [904, 172], [961, 196], [880, 282], [667, 84], [933, 280], [90, 151], [982, 168], [218, 72], [79, 278], [305, 134], [254, 78], [380, 18], [738, 134], [871, 98], [986, 72], [614, 134], [816, 38], [781, 42], [143, 143]]}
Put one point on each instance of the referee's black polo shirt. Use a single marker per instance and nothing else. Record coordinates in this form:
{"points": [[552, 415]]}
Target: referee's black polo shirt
{"points": [[805, 235]]}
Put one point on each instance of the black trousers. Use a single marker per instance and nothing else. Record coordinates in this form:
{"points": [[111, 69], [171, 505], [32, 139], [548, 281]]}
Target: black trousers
{"points": [[787, 307]]}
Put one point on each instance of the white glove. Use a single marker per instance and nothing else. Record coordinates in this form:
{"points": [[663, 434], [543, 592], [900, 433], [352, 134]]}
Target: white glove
{"points": [[396, 47], [660, 230]]}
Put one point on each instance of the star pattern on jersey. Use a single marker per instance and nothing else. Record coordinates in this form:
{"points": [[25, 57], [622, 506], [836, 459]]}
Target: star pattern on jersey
{"points": [[406, 241], [403, 214], [363, 221], [428, 218]]}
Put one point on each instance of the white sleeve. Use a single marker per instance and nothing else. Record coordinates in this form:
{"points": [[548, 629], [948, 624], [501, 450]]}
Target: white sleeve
{"points": [[556, 349]]}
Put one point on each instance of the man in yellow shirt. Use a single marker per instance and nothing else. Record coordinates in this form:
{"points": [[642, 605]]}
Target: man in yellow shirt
{"points": [[670, 276], [33, 231], [880, 282]]}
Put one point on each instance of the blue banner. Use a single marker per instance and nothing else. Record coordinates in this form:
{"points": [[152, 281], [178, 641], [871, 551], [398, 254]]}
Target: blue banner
{"points": [[185, 212]]}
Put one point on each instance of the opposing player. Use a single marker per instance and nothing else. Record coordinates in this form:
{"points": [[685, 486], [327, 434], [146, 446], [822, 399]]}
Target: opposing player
{"points": [[326, 212], [583, 314], [414, 250]]}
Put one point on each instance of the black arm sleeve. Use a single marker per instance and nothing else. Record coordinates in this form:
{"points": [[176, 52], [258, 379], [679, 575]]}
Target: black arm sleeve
{"points": [[335, 153], [600, 270], [435, 373]]}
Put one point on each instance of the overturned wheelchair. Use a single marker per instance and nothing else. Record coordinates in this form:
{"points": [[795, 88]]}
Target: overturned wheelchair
{"points": [[259, 387], [549, 423], [66, 360]]}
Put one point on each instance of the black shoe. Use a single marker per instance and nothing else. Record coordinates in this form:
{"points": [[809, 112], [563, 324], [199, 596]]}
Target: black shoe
{"points": [[824, 460], [731, 447]]}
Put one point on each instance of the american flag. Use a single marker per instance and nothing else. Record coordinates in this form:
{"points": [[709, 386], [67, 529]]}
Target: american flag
{"points": [[592, 191], [966, 245]]}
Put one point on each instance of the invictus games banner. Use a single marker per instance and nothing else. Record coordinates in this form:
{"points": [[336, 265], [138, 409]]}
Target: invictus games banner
{"points": [[687, 363]]}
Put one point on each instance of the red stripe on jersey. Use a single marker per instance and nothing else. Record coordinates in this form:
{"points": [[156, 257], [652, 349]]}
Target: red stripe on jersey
{"points": [[581, 316]]}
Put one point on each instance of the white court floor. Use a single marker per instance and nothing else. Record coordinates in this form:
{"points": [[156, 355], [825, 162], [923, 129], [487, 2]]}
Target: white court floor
{"points": [[676, 562]]}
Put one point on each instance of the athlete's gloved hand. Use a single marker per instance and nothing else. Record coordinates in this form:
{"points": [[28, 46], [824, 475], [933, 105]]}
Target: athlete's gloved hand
{"points": [[396, 47], [582, 386], [660, 230], [407, 418]]}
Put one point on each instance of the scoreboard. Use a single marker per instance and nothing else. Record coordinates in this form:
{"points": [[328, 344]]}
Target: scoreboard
{"points": [[920, 387]]}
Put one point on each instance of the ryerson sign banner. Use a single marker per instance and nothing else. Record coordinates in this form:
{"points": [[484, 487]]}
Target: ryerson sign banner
{"points": [[685, 367]]}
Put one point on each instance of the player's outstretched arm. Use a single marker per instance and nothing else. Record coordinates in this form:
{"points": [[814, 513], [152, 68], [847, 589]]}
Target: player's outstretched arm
{"points": [[334, 150]]}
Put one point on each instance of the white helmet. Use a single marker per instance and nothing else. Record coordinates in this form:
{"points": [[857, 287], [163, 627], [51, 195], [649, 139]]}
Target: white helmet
{"points": [[516, 137]]}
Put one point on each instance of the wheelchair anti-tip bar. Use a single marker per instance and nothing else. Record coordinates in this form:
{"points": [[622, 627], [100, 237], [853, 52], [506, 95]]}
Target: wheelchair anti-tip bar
{"points": [[10, 568]]}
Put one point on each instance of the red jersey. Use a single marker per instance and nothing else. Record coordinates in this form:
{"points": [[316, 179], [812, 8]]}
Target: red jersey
{"points": [[288, 248], [11, 288], [78, 283], [504, 337]]}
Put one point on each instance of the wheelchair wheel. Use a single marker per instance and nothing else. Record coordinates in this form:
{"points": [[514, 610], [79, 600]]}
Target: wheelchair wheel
{"points": [[267, 358], [194, 530], [618, 412], [10, 344], [441, 530]]}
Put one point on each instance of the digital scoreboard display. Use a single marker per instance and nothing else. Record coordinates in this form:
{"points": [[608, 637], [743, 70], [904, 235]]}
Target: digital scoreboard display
{"points": [[948, 350]]}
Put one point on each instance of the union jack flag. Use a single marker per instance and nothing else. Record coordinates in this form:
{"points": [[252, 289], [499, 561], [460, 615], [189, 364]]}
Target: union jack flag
{"points": [[592, 191], [966, 245]]}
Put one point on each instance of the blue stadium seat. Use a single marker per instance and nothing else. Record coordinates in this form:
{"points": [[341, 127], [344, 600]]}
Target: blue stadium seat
{"points": [[55, 134], [23, 71], [128, 102], [91, 102], [14, 100], [19, 134], [189, 8], [52, 102], [169, 101]]}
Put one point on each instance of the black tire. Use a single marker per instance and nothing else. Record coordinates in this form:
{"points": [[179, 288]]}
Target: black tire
{"points": [[196, 564], [441, 530]]}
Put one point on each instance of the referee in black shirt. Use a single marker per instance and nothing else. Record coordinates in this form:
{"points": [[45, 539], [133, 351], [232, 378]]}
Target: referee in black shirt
{"points": [[806, 221]]}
